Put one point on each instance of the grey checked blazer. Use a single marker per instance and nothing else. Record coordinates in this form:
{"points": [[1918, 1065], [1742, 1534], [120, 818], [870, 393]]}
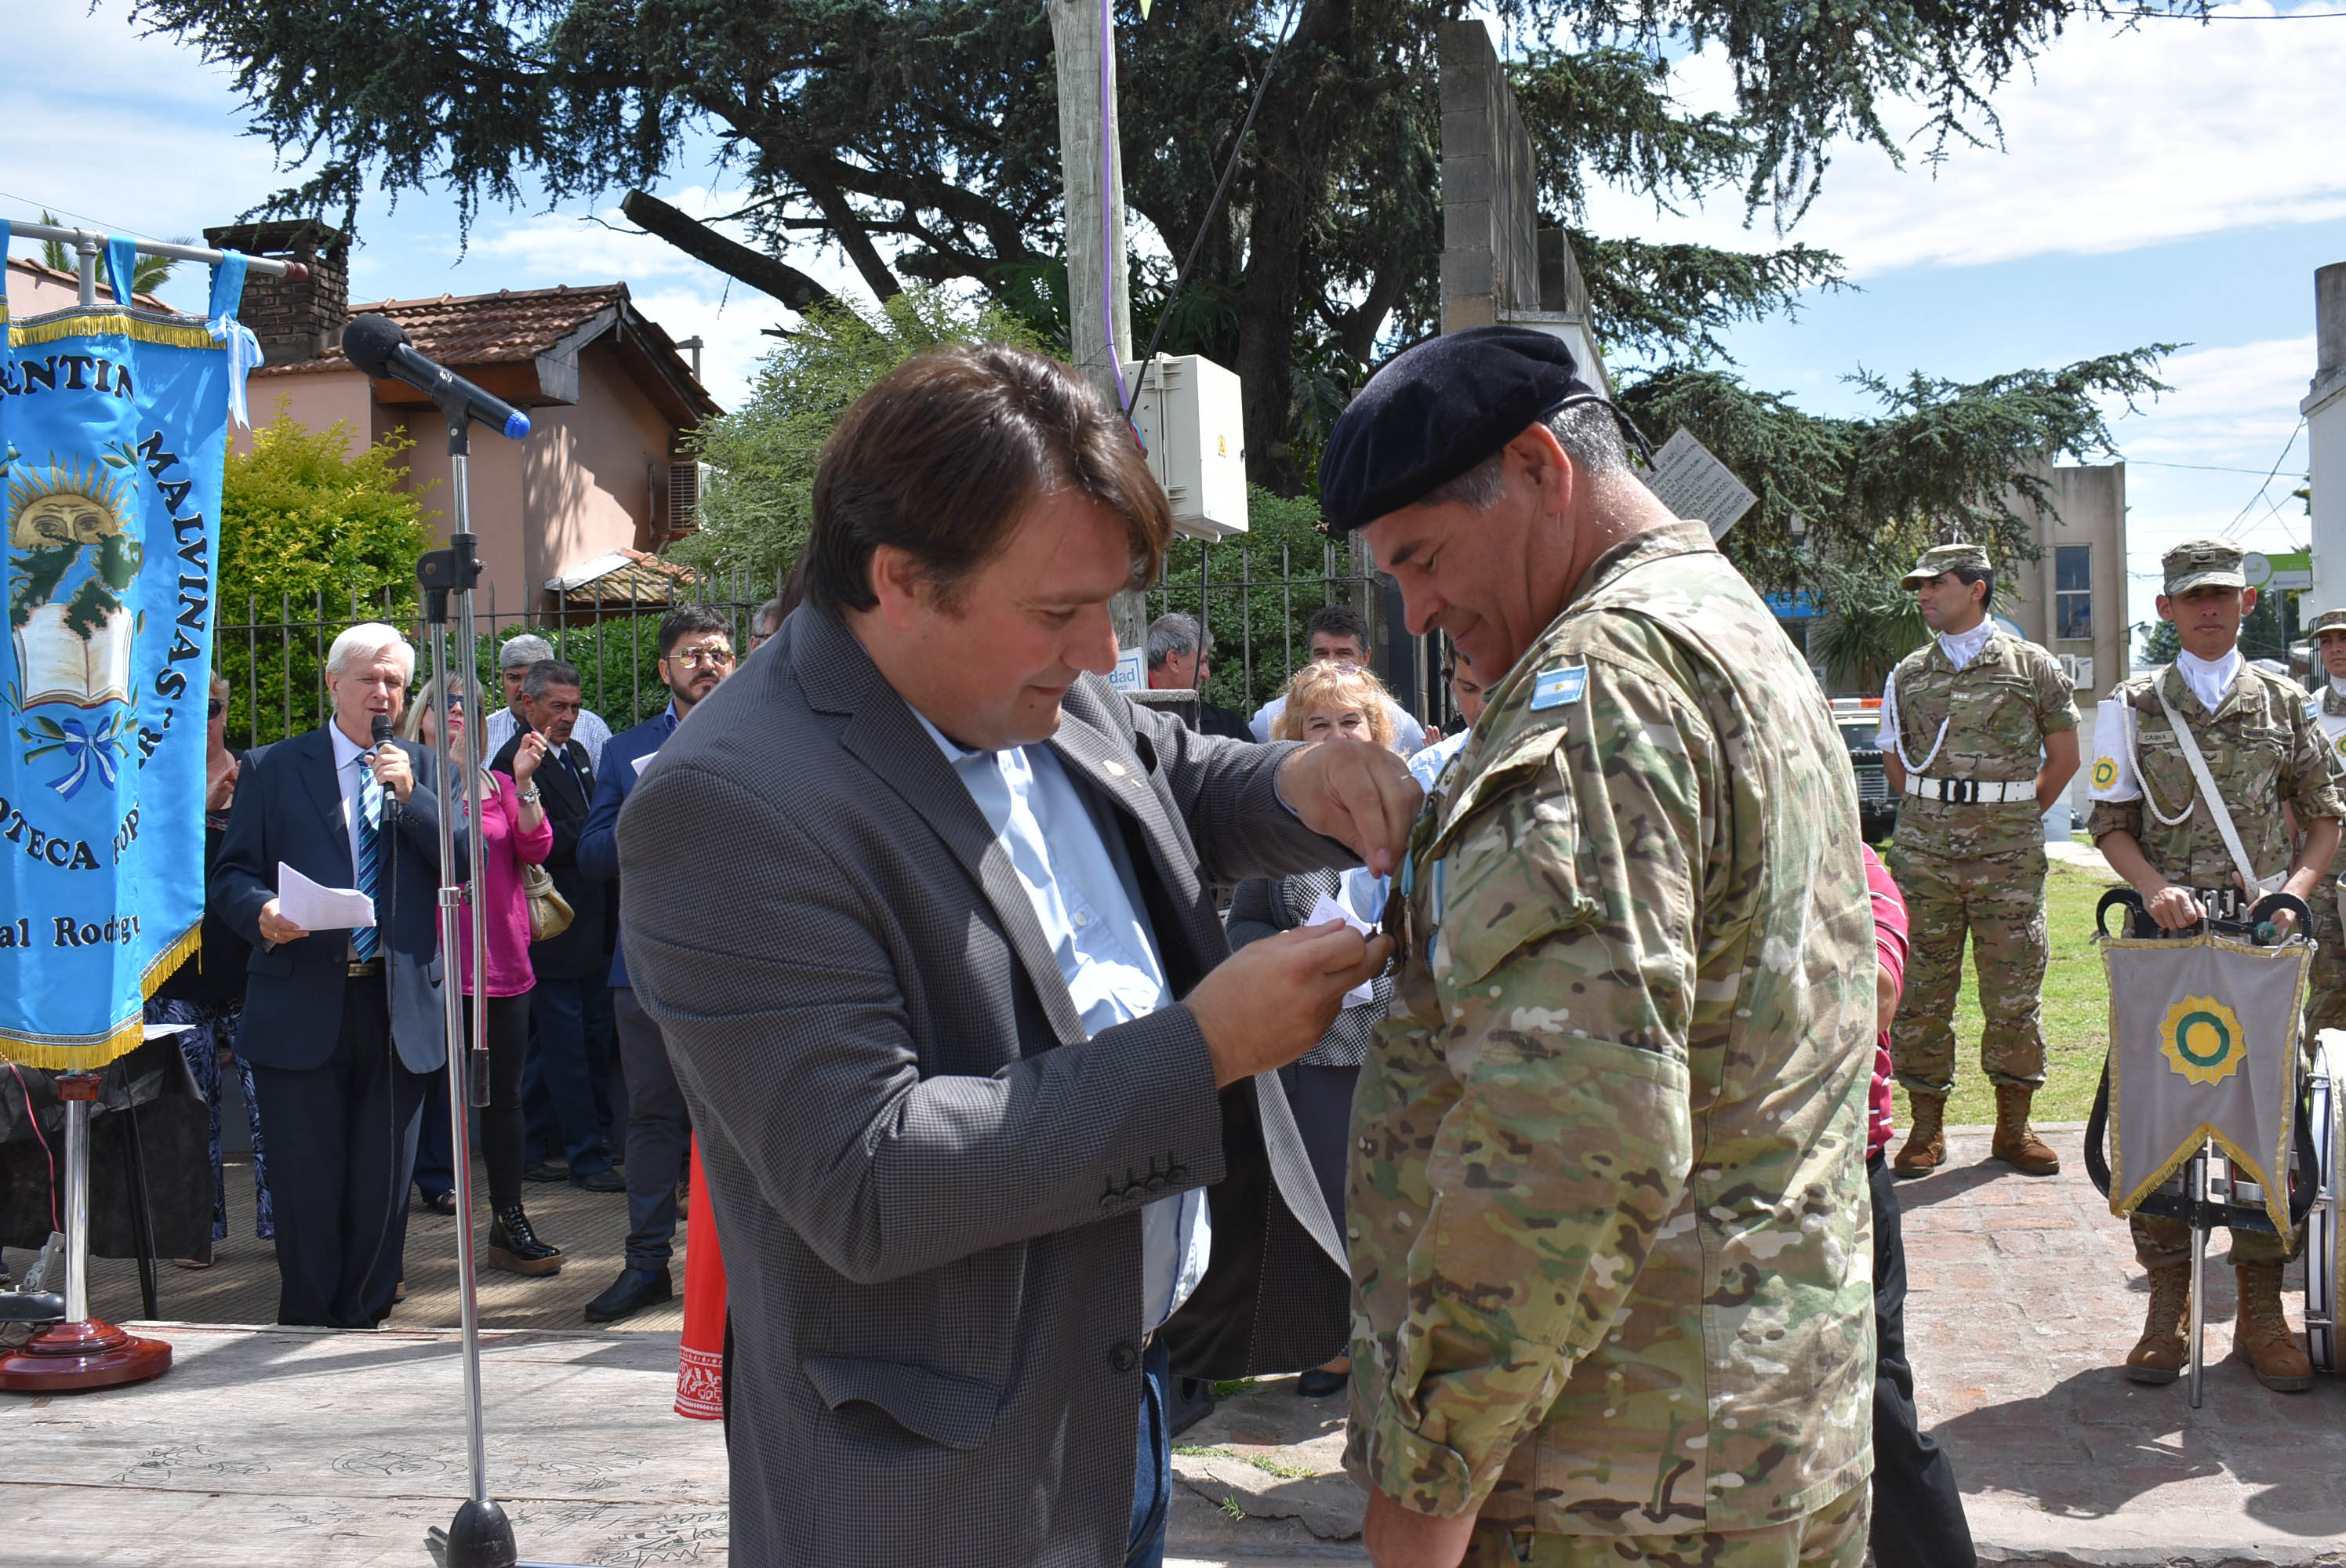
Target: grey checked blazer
{"points": [[929, 1206]]}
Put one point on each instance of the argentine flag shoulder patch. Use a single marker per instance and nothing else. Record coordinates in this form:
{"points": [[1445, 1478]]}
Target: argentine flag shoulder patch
{"points": [[1559, 687]]}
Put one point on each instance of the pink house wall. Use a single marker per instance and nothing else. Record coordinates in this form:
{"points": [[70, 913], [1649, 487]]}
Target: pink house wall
{"points": [[576, 488]]}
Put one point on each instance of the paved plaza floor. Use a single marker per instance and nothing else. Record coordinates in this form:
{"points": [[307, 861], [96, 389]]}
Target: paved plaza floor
{"points": [[266, 1446]]}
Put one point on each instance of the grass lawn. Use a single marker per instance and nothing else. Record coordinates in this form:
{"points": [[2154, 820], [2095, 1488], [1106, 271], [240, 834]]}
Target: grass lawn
{"points": [[2076, 1014]]}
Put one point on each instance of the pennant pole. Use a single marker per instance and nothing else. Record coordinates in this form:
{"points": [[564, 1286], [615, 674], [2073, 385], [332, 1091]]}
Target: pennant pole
{"points": [[2199, 1265]]}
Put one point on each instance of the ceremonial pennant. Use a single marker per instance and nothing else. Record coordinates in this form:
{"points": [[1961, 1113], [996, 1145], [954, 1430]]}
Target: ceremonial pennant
{"points": [[2204, 1046], [113, 432]]}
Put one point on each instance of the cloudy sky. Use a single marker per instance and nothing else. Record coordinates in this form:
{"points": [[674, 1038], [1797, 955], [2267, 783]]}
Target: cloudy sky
{"points": [[2172, 183]]}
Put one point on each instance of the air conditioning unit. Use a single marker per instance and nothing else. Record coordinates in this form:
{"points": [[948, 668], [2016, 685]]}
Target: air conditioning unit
{"points": [[2079, 668], [1193, 423]]}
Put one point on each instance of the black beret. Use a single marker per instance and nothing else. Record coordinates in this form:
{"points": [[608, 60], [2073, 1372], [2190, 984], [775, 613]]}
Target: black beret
{"points": [[1434, 412]]}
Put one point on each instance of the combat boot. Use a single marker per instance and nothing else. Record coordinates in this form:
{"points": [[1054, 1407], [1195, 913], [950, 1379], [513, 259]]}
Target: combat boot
{"points": [[2262, 1334], [1926, 1141], [2160, 1353], [2016, 1144]]}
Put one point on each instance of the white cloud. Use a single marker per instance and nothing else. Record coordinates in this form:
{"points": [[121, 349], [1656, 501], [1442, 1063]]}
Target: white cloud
{"points": [[2197, 458], [2120, 139]]}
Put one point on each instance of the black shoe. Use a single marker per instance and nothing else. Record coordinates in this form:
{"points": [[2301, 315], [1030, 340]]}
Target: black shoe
{"points": [[514, 1247], [607, 1179], [1317, 1384], [631, 1293], [545, 1171], [440, 1202]]}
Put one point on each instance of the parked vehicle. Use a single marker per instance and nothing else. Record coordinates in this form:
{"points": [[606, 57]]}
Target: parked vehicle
{"points": [[1860, 720]]}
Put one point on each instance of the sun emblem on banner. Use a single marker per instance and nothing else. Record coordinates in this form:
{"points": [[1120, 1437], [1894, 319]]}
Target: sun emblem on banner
{"points": [[2201, 1039], [2105, 773]]}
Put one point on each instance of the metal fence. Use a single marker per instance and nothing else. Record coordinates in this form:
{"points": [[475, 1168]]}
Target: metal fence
{"points": [[1253, 605], [274, 659]]}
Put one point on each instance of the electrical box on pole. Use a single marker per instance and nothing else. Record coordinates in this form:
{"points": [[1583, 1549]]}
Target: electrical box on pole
{"points": [[1192, 423]]}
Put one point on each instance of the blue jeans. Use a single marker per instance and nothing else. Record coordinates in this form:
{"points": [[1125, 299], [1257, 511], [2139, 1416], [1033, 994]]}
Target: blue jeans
{"points": [[562, 1082], [1152, 1464]]}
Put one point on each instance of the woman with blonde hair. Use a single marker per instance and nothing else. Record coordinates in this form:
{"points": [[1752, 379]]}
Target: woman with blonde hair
{"points": [[513, 832], [1324, 701]]}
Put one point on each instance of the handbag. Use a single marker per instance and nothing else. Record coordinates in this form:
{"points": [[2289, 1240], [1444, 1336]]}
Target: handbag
{"points": [[550, 913]]}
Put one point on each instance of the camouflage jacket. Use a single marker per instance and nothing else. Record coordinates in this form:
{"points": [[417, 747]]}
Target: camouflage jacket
{"points": [[1997, 709], [1611, 1239], [2262, 748]]}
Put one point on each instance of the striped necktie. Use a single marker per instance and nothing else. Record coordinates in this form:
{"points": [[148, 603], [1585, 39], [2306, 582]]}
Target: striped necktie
{"points": [[365, 941]]}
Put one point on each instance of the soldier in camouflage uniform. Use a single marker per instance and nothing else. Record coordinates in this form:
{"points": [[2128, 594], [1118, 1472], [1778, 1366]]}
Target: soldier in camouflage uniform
{"points": [[2157, 830], [1608, 1208], [2325, 999], [1964, 722]]}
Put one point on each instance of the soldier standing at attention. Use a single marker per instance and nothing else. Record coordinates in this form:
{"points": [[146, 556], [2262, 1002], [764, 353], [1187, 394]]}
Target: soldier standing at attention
{"points": [[1607, 1209], [2325, 998], [1965, 720], [2181, 849]]}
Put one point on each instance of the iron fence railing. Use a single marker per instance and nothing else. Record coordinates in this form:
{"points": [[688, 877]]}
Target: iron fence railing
{"points": [[275, 663], [1253, 605]]}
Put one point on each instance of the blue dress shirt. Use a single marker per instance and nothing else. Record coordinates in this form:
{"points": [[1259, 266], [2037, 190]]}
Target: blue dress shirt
{"points": [[1087, 899]]}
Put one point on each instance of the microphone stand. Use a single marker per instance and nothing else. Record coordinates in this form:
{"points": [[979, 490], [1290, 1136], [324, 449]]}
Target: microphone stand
{"points": [[480, 1536]]}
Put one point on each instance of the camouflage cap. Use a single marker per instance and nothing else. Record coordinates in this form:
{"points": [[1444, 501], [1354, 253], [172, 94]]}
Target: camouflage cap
{"points": [[2327, 621], [2201, 563], [1941, 559]]}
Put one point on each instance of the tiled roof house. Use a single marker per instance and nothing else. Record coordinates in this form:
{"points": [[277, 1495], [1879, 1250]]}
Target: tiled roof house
{"points": [[605, 471]]}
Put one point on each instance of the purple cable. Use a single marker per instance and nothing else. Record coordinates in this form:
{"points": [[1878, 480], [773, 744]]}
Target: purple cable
{"points": [[1108, 206]]}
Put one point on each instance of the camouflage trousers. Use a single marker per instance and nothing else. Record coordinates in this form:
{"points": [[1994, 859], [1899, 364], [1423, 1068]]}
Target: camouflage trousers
{"points": [[1833, 1536], [2325, 991], [1998, 901], [2160, 1242]]}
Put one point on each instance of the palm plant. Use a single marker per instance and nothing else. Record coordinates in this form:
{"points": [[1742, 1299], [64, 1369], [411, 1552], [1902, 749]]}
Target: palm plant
{"points": [[1870, 623], [146, 276]]}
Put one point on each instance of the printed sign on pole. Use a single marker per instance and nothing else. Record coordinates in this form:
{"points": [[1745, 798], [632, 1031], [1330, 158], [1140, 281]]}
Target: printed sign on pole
{"points": [[1696, 486]]}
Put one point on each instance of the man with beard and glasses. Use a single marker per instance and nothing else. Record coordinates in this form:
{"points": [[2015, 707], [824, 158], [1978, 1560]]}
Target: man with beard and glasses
{"points": [[695, 656]]}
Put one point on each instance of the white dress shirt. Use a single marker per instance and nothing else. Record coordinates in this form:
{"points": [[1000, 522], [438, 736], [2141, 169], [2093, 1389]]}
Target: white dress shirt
{"points": [[2209, 679], [1086, 898], [589, 731], [1961, 648]]}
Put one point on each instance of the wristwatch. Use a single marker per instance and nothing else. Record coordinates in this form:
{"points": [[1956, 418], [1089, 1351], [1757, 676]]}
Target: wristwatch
{"points": [[527, 796]]}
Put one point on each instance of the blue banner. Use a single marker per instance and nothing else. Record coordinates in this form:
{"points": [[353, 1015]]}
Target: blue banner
{"points": [[113, 432]]}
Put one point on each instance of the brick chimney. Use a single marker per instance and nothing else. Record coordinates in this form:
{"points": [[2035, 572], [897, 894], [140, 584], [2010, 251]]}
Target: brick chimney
{"points": [[294, 321]]}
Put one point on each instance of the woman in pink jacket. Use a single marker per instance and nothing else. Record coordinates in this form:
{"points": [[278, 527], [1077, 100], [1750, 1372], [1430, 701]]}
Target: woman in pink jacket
{"points": [[513, 832]]}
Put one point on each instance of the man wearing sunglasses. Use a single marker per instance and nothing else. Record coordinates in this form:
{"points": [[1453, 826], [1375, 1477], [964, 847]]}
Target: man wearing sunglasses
{"points": [[695, 656]]}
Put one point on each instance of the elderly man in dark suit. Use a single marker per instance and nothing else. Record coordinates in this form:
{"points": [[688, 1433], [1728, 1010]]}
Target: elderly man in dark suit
{"points": [[924, 907], [340, 1028], [561, 1084]]}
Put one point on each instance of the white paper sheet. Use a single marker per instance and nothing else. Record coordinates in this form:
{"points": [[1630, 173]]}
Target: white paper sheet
{"points": [[315, 908], [1327, 909]]}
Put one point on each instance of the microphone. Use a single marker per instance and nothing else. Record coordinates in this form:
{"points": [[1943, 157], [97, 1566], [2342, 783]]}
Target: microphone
{"points": [[381, 727], [379, 346]]}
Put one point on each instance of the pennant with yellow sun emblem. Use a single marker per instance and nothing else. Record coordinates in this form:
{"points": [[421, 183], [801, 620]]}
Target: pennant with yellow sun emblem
{"points": [[2204, 1045]]}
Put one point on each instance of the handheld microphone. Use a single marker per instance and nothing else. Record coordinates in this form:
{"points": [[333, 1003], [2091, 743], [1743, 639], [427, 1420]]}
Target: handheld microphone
{"points": [[379, 346]]}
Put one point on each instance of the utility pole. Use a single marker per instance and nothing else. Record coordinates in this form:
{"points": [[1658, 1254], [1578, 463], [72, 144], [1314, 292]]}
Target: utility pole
{"points": [[1100, 317]]}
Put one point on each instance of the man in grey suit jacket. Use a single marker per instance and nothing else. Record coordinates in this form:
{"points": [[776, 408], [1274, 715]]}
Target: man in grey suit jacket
{"points": [[914, 913]]}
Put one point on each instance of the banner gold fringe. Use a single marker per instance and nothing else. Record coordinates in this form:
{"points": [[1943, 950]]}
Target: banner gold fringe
{"points": [[88, 1057], [82, 323]]}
